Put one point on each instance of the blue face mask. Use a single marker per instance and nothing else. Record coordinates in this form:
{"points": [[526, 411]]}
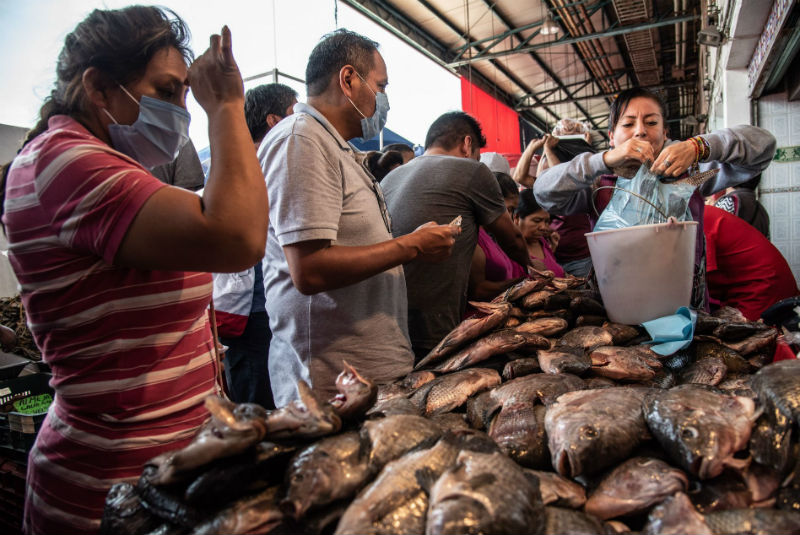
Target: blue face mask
{"points": [[372, 126], [157, 135]]}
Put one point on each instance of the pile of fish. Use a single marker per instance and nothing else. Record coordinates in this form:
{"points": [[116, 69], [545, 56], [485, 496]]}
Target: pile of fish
{"points": [[536, 416]]}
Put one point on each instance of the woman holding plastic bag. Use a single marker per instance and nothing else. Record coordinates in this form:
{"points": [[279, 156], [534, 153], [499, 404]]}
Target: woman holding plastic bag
{"points": [[113, 263], [638, 134]]}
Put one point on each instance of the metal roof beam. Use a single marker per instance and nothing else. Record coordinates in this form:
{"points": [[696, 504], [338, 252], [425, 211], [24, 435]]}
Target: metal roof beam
{"points": [[661, 87], [544, 66], [570, 40]]}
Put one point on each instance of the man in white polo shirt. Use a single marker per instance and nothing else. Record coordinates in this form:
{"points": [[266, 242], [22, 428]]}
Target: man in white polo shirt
{"points": [[333, 277]]}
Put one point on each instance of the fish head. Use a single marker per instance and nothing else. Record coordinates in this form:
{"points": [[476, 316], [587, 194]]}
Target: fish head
{"points": [[356, 393], [307, 417], [581, 440]]}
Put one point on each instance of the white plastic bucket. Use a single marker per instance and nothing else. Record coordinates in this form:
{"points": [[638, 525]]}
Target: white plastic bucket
{"points": [[644, 272]]}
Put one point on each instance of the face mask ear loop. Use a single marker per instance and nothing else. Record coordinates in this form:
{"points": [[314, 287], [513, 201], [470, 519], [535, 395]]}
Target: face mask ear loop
{"points": [[109, 115], [356, 107], [128, 93]]}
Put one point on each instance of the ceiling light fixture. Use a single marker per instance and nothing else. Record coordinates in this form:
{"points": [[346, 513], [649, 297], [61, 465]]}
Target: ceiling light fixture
{"points": [[549, 27]]}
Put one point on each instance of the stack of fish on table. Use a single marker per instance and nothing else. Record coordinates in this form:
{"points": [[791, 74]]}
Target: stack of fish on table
{"points": [[536, 416]]}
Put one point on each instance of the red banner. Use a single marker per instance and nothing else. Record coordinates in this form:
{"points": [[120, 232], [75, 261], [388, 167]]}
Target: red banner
{"points": [[500, 123]]}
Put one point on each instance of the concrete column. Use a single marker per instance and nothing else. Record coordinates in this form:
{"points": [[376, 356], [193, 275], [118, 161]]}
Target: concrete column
{"points": [[735, 102]]}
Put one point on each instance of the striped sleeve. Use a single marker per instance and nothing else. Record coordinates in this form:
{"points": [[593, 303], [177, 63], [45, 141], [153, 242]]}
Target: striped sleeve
{"points": [[89, 195]]}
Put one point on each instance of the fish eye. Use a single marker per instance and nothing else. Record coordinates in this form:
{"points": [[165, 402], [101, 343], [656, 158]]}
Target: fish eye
{"points": [[587, 431], [689, 432]]}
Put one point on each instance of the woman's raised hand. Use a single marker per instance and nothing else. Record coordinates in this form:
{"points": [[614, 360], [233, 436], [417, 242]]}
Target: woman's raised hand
{"points": [[632, 151], [214, 76], [675, 159]]}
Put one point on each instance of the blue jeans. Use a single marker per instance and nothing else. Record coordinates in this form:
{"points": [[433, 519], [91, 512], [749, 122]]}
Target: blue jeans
{"points": [[246, 369], [579, 268]]}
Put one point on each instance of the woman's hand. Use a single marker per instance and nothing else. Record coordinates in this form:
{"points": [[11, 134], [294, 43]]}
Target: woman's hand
{"points": [[632, 151], [214, 77], [675, 159]]}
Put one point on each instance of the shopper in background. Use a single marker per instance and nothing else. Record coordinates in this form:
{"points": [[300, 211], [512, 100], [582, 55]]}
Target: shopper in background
{"points": [[405, 151], [541, 240], [239, 301], [742, 202], [744, 270], [637, 134], [333, 273], [116, 298], [492, 271], [573, 250]]}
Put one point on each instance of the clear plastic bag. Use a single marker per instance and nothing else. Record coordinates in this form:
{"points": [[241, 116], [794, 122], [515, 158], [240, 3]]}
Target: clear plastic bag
{"points": [[645, 200]]}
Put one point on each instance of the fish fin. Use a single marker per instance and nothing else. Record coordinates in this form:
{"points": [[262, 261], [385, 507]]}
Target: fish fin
{"points": [[481, 480], [426, 478]]}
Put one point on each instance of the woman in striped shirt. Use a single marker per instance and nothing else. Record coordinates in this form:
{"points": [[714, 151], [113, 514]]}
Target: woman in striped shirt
{"points": [[113, 264]]}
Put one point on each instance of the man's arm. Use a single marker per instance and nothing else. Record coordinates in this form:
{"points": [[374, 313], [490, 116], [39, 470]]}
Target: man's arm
{"points": [[317, 266], [510, 239]]}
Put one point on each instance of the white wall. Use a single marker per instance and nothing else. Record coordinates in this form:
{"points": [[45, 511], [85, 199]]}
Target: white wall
{"points": [[782, 118]]}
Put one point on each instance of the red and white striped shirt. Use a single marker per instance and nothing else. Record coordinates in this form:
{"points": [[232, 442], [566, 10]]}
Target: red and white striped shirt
{"points": [[130, 349]]}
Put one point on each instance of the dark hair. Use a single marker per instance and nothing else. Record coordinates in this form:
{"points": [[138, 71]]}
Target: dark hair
{"points": [[399, 147], [527, 204], [381, 163], [624, 98], [119, 43], [508, 187], [751, 184], [451, 128], [334, 51], [262, 100]]}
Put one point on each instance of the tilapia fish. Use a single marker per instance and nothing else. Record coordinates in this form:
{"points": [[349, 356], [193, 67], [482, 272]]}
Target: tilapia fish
{"points": [[700, 429], [414, 380], [519, 367], [253, 514], [356, 393], [620, 333], [396, 502], [125, 514], [564, 361], [450, 391], [393, 436], [521, 289], [762, 341], [468, 329], [590, 430], [519, 431], [334, 468], [559, 491], [537, 299], [778, 389], [496, 343], [228, 433], [734, 362], [539, 387], [586, 337], [543, 326], [560, 521], [485, 493], [635, 486], [754, 522], [633, 363], [706, 371], [586, 305], [676, 516]]}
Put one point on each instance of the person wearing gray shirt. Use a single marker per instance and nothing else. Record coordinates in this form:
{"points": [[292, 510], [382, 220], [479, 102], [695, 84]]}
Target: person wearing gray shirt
{"points": [[447, 181], [333, 273]]}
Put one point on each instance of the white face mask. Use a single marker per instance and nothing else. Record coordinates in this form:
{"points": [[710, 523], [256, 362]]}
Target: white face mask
{"points": [[157, 135], [372, 126]]}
